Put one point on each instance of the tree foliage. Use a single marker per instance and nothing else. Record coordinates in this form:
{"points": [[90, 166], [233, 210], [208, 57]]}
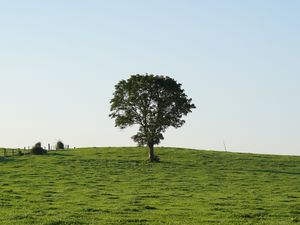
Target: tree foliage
{"points": [[151, 101]]}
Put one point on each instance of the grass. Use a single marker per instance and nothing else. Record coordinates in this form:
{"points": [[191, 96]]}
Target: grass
{"points": [[118, 186]]}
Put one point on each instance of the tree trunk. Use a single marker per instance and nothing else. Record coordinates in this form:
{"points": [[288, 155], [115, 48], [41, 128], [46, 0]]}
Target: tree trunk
{"points": [[151, 153]]}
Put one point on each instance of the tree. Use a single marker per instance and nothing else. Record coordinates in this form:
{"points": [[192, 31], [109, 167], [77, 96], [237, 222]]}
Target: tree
{"points": [[154, 103]]}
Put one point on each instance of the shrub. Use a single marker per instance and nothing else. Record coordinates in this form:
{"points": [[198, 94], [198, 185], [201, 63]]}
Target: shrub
{"points": [[19, 152], [59, 145], [37, 149]]}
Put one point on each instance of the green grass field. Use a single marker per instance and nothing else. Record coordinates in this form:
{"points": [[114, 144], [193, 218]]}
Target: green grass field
{"points": [[118, 186]]}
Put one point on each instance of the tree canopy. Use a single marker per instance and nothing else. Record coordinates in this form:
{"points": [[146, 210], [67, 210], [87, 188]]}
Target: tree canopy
{"points": [[154, 103]]}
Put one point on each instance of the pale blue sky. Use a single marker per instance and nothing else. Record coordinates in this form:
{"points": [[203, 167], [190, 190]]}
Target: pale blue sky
{"points": [[238, 60]]}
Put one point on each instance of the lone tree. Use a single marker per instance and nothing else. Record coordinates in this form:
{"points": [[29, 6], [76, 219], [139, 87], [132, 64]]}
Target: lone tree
{"points": [[152, 102]]}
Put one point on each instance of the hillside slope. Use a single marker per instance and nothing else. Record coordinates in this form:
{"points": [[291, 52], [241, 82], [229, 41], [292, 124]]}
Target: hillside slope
{"points": [[118, 186]]}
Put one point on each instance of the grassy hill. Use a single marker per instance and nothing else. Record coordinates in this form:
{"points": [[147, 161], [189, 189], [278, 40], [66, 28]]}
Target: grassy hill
{"points": [[118, 186]]}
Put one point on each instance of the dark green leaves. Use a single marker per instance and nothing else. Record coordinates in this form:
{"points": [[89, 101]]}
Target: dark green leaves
{"points": [[153, 102]]}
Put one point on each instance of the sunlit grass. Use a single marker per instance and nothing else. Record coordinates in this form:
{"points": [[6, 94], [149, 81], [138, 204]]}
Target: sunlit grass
{"points": [[118, 186]]}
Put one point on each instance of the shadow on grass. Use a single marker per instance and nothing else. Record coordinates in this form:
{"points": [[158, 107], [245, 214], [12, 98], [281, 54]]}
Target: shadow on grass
{"points": [[54, 153], [7, 159], [274, 171]]}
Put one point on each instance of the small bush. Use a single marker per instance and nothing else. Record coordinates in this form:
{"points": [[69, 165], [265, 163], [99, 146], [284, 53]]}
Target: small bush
{"points": [[19, 153], [60, 145], [37, 149]]}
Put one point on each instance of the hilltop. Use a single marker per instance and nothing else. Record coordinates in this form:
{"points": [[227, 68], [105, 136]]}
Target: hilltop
{"points": [[118, 186]]}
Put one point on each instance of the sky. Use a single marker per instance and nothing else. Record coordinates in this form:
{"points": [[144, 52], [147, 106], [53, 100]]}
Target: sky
{"points": [[237, 60]]}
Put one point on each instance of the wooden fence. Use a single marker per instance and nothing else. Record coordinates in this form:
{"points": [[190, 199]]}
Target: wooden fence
{"points": [[8, 152]]}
